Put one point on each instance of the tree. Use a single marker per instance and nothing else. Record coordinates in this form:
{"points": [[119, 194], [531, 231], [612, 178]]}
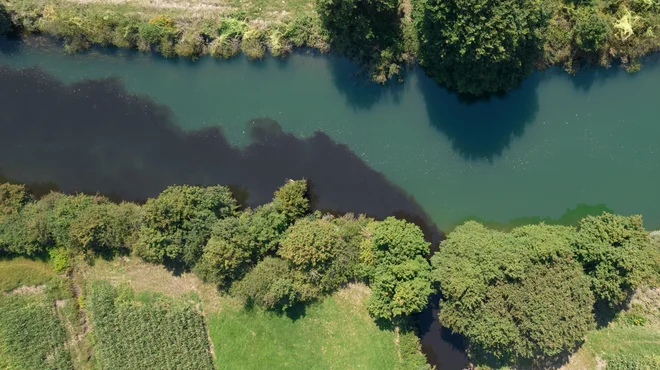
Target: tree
{"points": [[399, 274], [515, 296], [617, 254], [368, 31], [12, 198], [271, 284], [229, 252], [5, 21], [592, 29], [177, 224], [478, 47], [291, 200], [309, 244], [106, 228]]}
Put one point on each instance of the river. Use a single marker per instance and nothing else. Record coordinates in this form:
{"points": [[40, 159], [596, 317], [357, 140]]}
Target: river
{"points": [[556, 142], [128, 124]]}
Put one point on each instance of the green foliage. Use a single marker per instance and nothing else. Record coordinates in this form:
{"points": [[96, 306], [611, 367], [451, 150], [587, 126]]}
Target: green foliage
{"points": [[145, 335], [617, 254], [400, 275], [592, 29], [177, 224], [60, 258], [291, 199], [31, 335], [29, 232], [12, 198], [631, 362], [106, 228], [367, 31], [479, 46], [270, 284], [309, 243], [19, 271], [228, 253], [517, 295]]}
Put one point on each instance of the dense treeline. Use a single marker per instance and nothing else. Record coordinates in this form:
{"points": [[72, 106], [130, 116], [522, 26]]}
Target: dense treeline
{"points": [[278, 255], [474, 47], [528, 295]]}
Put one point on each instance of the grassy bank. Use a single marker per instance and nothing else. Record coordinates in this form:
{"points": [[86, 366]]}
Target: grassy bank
{"points": [[382, 35]]}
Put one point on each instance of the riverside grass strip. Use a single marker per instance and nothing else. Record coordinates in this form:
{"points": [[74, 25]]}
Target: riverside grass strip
{"points": [[129, 333]]}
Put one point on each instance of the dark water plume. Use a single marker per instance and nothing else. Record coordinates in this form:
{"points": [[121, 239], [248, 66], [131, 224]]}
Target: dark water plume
{"points": [[94, 136]]}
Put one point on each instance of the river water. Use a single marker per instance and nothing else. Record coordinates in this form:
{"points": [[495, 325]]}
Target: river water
{"points": [[587, 142], [129, 124]]}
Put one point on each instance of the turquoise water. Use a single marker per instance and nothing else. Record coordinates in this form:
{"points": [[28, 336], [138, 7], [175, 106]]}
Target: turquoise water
{"points": [[554, 143]]}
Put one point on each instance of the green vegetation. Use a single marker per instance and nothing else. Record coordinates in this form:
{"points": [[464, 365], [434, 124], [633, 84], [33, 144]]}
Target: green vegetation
{"points": [[335, 333], [475, 47], [154, 332], [479, 46], [31, 335], [524, 297], [529, 295], [23, 272]]}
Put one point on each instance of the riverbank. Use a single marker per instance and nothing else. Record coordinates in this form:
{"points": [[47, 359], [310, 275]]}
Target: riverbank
{"points": [[572, 35]]}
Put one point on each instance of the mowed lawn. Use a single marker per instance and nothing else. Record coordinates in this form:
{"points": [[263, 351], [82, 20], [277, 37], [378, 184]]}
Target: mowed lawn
{"points": [[336, 333]]}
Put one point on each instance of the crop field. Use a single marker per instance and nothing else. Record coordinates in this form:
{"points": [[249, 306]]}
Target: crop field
{"points": [[147, 331]]}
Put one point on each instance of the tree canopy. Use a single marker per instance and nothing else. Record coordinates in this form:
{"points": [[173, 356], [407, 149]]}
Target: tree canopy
{"points": [[178, 222], [399, 273], [517, 295], [479, 47], [617, 254]]}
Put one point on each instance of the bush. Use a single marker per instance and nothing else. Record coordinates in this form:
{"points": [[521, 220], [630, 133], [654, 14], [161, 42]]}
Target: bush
{"points": [[253, 44], [269, 284], [515, 296], [191, 45], [177, 224], [617, 254], [29, 232], [60, 258], [291, 199]]}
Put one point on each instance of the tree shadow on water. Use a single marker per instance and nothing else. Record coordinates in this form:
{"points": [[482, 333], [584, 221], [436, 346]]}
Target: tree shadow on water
{"points": [[483, 128], [93, 136], [355, 84]]}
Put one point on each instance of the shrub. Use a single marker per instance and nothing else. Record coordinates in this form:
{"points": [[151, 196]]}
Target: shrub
{"points": [[592, 29], [60, 258], [106, 228], [269, 284], [191, 45], [253, 44], [515, 296]]}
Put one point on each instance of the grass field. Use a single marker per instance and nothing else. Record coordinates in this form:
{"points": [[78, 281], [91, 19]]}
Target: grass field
{"points": [[23, 272], [625, 338], [334, 334]]}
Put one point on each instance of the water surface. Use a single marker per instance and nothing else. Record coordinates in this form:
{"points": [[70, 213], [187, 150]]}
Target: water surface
{"points": [[554, 143]]}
